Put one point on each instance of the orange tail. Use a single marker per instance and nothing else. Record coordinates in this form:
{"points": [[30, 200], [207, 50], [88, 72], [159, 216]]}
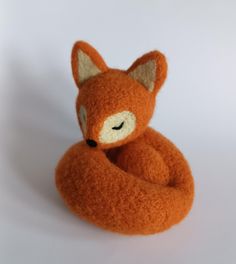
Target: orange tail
{"points": [[102, 193]]}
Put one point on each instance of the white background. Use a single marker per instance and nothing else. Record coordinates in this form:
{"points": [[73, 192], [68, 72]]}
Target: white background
{"points": [[196, 109]]}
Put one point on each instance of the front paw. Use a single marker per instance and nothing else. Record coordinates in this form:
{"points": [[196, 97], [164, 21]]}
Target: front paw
{"points": [[144, 162]]}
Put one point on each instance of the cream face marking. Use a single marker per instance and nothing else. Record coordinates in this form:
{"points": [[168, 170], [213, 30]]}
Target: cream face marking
{"points": [[117, 127], [83, 118]]}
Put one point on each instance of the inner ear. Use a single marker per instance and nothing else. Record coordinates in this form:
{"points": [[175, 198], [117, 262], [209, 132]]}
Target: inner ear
{"points": [[150, 70], [145, 74], [86, 62], [86, 67]]}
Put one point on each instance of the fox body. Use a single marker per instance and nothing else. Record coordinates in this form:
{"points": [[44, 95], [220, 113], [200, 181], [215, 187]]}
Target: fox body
{"points": [[124, 177]]}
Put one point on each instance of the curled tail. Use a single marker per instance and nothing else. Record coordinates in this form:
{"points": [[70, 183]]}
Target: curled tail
{"points": [[99, 191]]}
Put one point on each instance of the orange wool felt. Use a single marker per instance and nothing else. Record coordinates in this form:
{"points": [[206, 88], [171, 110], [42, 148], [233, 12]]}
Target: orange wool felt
{"points": [[125, 176]]}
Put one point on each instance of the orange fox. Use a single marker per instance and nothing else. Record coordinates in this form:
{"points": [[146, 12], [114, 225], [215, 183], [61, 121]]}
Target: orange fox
{"points": [[124, 177]]}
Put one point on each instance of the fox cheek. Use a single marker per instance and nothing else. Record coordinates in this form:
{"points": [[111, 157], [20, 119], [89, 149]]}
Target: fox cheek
{"points": [[117, 127], [81, 127], [83, 119]]}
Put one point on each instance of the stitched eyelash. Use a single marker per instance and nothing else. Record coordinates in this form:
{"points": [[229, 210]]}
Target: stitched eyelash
{"points": [[118, 127]]}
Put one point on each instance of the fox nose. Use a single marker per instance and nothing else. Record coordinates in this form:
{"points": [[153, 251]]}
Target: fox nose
{"points": [[91, 143]]}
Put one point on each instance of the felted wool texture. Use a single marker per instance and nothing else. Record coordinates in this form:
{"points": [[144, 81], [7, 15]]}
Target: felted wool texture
{"points": [[87, 53], [139, 184], [145, 74], [110, 93], [110, 131]]}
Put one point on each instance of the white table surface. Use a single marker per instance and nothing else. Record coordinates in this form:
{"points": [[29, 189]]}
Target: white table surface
{"points": [[196, 109]]}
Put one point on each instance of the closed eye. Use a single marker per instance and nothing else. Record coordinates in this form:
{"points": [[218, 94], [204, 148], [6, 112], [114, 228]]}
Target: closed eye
{"points": [[118, 127]]}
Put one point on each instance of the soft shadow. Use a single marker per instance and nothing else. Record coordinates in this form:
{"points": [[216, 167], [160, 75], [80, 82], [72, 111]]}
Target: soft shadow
{"points": [[42, 128]]}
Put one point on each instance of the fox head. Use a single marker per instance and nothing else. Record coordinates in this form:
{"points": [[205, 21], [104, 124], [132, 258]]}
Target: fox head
{"points": [[115, 106]]}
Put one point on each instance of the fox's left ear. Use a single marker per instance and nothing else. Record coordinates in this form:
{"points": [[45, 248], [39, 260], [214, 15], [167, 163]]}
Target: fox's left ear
{"points": [[86, 62], [150, 70]]}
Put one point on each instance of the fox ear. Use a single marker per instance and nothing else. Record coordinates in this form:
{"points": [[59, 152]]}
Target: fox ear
{"points": [[150, 70], [86, 62]]}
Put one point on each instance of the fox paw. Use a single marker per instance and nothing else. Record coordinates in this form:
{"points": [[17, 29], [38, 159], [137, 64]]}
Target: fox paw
{"points": [[144, 162]]}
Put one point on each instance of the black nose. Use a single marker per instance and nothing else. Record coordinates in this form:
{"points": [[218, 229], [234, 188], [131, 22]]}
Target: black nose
{"points": [[91, 143]]}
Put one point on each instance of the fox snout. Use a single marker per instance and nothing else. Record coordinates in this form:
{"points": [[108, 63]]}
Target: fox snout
{"points": [[91, 143]]}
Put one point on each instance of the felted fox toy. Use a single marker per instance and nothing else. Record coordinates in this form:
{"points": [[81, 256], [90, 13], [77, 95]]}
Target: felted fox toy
{"points": [[124, 176]]}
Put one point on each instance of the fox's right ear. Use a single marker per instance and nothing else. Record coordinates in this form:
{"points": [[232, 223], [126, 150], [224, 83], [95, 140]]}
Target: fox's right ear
{"points": [[86, 62], [150, 70]]}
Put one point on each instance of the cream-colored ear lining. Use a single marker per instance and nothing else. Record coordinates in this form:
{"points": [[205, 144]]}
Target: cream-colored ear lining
{"points": [[145, 74], [86, 67]]}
